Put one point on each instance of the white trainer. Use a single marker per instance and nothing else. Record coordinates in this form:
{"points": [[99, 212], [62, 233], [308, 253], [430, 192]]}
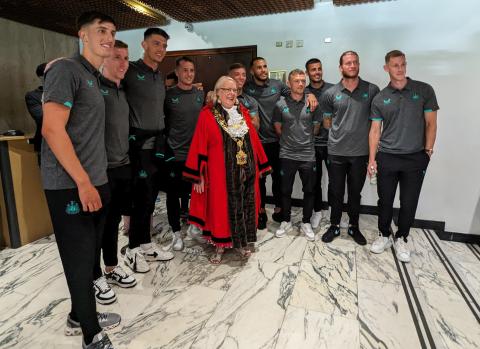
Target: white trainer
{"points": [[285, 227], [135, 260], [153, 253], [177, 241], [195, 233], [103, 293], [306, 229], [381, 244], [316, 218], [402, 251]]}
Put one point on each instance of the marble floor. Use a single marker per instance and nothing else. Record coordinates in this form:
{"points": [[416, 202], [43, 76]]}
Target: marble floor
{"points": [[290, 294]]}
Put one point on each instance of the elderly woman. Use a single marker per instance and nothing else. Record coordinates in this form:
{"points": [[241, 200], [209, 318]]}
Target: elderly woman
{"points": [[225, 161]]}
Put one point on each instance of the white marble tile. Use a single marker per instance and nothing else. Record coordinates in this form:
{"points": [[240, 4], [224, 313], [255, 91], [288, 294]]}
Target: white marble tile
{"points": [[376, 267], [308, 329], [251, 313], [451, 319], [470, 275], [327, 280], [384, 317], [287, 250], [460, 252]]}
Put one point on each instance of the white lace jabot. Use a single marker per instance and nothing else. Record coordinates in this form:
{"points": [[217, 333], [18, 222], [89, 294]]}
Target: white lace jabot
{"points": [[237, 127]]}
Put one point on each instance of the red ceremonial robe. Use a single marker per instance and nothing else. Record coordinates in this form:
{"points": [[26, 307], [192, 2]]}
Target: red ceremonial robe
{"points": [[209, 210]]}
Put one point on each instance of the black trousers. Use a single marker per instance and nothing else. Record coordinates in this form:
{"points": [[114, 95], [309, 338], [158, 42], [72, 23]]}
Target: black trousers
{"points": [[354, 170], [177, 189], [306, 170], [408, 171], [120, 183], [148, 175], [321, 155], [79, 237], [272, 150]]}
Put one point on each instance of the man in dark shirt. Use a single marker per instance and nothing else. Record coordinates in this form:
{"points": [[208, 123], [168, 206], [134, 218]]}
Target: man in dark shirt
{"points": [[346, 109], [296, 126], [318, 87], [33, 99], [145, 90], [403, 131], [74, 171], [182, 107]]}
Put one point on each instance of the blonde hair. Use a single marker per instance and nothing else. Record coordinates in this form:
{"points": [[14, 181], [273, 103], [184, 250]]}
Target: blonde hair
{"points": [[218, 85]]}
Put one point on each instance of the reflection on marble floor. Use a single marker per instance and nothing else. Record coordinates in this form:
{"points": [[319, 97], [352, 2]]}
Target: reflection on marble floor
{"points": [[290, 294]]}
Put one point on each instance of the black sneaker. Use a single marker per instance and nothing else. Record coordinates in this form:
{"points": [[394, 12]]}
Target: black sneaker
{"points": [[332, 233], [357, 235], [262, 220], [100, 341], [277, 216]]}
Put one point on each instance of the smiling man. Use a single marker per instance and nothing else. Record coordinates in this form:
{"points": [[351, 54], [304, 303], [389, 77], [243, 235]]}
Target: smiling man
{"points": [[74, 171]]}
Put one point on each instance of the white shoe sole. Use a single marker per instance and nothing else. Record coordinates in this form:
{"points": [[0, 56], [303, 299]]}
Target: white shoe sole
{"points": [[387, 246], [119, 284], [403, 259], [106, 301], [278, 235], [157, 259]]}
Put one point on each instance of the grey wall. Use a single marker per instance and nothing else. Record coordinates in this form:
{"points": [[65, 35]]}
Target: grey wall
{"points": [[22, 48]]}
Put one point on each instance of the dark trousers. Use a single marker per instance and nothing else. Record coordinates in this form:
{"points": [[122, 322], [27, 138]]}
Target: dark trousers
{"points": [[272, 150], [408, 171], [321, 155], [177, 189], [354, 170], [120, 183], [79, 237], [306, 170], [148, 178]]}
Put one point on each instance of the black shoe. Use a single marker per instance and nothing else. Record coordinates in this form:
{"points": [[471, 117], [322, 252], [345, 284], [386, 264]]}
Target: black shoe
{"points": [[262, 220], [332, 233], [357, 235], [277, 216]]}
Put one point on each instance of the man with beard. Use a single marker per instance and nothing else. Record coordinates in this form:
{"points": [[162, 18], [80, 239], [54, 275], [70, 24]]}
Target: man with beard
{"points": [[403, 130], [145, 89], [318, 87], [346, 110], [267, 93]]}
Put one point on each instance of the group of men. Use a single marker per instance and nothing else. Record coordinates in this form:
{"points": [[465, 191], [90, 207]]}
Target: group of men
{"points": [[114, 136]]}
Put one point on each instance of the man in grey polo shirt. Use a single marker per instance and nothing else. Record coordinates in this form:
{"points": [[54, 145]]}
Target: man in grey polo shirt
{"points": [[182, 107], [74, 171], [145, 89], [403, 131], [318, 87], [296, 125], [346, 109]]}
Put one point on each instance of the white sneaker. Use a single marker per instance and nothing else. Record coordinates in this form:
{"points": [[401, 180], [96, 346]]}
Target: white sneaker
{"points": [[177, 241], [103, 293], [119, 277], [402, 251], [285, 227], [306, 228], [195, 233], [135, 260], [381, 244], [316, 218], [153, 253], [344, 222]]}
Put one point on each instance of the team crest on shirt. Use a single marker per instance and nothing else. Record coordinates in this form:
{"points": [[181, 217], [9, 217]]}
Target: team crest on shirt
{"points": [[387, 101], [104, 92], [199, 100], [90, 83], [141, 77], [72, 208], [308, 110], [415, 96], [338, 97], [285, 110], [251, 90], [175, 100], [365, 95], [273, 90]]}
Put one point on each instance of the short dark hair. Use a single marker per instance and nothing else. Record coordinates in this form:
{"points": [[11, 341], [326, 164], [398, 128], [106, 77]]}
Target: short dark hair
{"points": [[91, 16], [120, 44], [254, 59], [40, 69], [171, 76], [236, 66], [312, 61], [155, 31], [393, 54], [183, 59], [350, 52], [295, 72]]}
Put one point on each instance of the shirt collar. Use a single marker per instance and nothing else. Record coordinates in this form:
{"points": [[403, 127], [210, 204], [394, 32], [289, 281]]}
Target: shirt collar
{"points": [[146, 67], [83, 61], [109, 83], [407, 87]]}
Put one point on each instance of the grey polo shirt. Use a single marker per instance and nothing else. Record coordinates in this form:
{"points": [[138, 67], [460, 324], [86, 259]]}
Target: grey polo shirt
{"points": [[182, 108], [403, 115], [250, 103], [350, 113], [267, 96], [321, 139], [145, 89], [73, 82], [116, 123], [297, 138]]}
